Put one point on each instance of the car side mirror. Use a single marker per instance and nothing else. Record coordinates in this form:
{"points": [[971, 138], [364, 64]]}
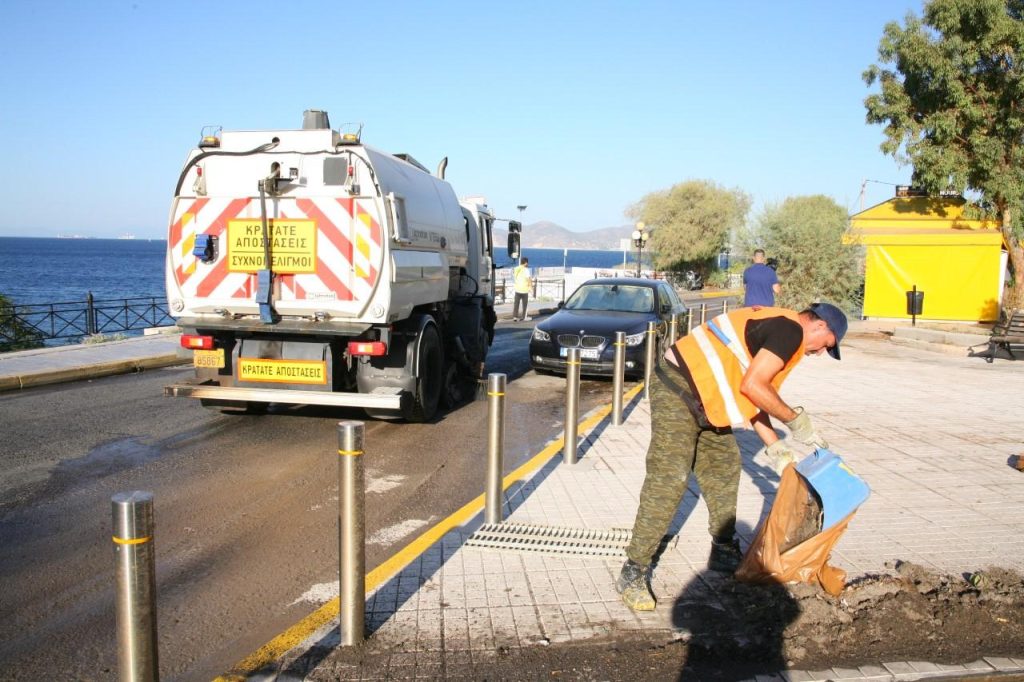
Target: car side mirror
{"points": [[560, 304]]}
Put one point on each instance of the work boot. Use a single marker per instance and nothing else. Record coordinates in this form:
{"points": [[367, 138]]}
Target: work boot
{"points": [[634, 586], [725, 555]]}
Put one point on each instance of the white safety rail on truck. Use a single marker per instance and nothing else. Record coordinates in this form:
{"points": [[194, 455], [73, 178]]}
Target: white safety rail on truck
{"points": [[306, 267]]}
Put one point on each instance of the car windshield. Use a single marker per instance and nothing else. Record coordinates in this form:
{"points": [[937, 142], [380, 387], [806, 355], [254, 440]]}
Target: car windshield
{"points": [[612, 297]]}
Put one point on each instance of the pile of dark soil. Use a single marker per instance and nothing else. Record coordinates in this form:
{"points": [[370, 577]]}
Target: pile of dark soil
{"points": [[914, 615], [727, 630]]}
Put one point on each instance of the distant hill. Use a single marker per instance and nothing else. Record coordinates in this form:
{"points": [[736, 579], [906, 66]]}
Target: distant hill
{"points": [[548, 235]]}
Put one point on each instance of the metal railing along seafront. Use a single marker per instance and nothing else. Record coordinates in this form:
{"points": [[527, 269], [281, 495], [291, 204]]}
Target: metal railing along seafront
{"points": [[74, 319]]}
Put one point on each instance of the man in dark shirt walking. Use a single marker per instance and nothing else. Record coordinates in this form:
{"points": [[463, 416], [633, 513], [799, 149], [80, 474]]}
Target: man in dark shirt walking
{"points": [[761, 282]]}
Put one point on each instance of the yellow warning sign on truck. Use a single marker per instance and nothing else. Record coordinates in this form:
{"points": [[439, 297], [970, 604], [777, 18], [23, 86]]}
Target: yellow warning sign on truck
{"points": [[282, 371], [292, 245]]}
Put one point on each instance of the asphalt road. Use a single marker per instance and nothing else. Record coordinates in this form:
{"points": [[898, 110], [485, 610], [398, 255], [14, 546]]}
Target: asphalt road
{"points": [[246, 508]]}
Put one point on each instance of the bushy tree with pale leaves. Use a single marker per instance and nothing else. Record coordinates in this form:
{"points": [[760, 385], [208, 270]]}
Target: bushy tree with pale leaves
{"points": [[805, 235], [690, 222]]}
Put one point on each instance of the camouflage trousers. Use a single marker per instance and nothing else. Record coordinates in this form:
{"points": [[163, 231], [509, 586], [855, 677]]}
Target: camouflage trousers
{"points": [[679, 445]]}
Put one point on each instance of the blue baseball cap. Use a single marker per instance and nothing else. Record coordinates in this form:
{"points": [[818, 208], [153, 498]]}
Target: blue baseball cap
{"points": [[836, 322]]}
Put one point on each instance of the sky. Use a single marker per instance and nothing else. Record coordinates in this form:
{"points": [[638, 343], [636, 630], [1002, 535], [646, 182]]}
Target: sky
{"points": [[574, 109]]}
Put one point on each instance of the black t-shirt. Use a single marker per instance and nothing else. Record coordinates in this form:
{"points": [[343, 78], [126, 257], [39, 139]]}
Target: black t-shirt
{"points": [[780, 335]]}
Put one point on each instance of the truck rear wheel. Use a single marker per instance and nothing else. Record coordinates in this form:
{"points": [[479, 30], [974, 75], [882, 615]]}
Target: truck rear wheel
{"points": [[430, 380]]}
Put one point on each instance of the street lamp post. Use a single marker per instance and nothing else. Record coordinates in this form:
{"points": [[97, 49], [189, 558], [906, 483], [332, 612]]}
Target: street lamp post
{"points": [[639, 239]]}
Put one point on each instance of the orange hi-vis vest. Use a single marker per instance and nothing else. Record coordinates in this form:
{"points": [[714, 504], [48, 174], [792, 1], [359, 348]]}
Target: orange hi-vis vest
{"points": [[717, 357]]}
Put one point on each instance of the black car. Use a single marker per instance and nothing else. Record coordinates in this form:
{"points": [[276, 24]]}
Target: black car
{"points": [[590, 317]]}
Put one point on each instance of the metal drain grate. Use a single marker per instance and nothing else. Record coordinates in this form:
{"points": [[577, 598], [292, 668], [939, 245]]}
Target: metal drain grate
{"points": [[552, 539]]}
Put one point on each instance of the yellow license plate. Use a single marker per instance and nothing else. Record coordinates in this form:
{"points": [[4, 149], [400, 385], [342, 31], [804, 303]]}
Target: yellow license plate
{"points": [[283, 371], [208, 358]]}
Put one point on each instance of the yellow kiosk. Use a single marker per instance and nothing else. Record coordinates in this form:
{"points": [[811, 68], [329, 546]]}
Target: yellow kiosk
{"points": [[925, 242]]}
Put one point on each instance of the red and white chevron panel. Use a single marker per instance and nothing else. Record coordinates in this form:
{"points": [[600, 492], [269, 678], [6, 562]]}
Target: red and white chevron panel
{"points": [[349, 249]]}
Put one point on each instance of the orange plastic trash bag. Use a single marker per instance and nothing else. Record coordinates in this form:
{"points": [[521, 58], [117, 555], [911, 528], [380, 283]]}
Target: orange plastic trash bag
{"points": [[788, 546]]}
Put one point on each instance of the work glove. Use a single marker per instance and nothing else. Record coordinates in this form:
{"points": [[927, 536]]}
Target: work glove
{"points": [[779, 456], [803, 431]]}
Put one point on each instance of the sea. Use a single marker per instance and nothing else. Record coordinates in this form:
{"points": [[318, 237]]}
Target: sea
{"points": [[49, 270]]}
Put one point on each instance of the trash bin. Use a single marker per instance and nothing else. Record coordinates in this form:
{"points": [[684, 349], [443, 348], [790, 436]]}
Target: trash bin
{"points": [[915, 302]]}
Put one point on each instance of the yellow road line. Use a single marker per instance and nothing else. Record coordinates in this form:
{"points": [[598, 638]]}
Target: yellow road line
{"points": [[296, 634]]}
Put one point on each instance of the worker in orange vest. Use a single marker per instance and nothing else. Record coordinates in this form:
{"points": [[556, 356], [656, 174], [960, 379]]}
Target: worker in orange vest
{"points": [[725, 373]]}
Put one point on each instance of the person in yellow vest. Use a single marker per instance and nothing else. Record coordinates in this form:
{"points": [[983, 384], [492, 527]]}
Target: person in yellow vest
{"points": [[725, 373], [522, 282]]}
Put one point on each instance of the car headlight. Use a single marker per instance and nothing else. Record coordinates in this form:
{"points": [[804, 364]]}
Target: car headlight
{"points": [[635, 339], [540, 335]]}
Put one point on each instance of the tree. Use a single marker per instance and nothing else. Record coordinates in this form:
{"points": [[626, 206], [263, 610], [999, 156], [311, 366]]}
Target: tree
{"points": [[805, 234], [690, 222], [953, 106], [14, 333]]}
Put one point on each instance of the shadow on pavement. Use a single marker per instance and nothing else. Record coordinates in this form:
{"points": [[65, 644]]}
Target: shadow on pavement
{"points": [[735, 629]]}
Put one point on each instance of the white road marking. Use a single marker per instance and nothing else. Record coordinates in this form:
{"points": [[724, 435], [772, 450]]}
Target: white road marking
{"points": [[321, 593], [384, 484], [398, 531]]}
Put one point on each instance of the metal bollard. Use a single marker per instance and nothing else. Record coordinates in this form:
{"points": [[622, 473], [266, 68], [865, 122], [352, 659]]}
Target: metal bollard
{"points": [[673, 330], [135, 565], [725, 306], [572, 405], [618, 374], [351, 533], [650, 357], [703, 313], [689, 320], [495, 447]]}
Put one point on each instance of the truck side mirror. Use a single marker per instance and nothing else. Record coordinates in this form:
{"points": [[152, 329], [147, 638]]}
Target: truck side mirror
{"points": [[515, 226], [513, 245]]}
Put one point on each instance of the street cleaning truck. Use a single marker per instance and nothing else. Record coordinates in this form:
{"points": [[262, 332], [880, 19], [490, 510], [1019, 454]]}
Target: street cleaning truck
{"points": [[306, 267]]}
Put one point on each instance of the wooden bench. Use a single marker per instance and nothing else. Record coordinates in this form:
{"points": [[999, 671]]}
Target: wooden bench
{"points": [[1008, 333]]}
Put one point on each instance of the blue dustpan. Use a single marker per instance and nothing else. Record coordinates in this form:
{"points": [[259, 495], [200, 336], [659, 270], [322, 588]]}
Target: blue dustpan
{"points": [[841, 491]]}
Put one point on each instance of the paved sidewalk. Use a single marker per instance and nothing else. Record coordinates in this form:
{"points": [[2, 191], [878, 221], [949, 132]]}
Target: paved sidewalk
{"points": [[930, 433], [41, 366]]}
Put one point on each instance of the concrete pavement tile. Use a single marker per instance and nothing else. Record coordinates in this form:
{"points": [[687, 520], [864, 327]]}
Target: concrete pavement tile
{"points": [[1001, 663], [484, 656], [528, 625], [480, 634], [820, 674], [796, 676], [503, 625], [553, 624], [475, 594], [597, 613], [453, 591], [980, 664], [402, 660], [846, 674], [399, 632], [584, 586], [457, 660], [875, 671], [924, 666], [897, 668], [429, 631], [455, 630], [519, 592], [496, 590]]}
